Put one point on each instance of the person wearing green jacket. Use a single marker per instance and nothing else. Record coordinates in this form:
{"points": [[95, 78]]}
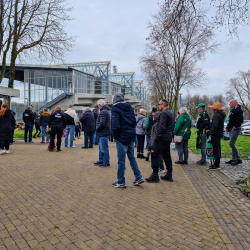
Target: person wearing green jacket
{"points": [[183, 128]]}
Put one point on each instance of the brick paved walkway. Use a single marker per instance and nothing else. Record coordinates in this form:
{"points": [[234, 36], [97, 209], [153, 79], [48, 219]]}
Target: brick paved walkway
{"points": [[62, 201]]}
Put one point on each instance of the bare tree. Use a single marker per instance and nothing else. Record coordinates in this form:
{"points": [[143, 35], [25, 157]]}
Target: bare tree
{"points": [[38, 30], [239, 88], [222, 13], [179, 43]]}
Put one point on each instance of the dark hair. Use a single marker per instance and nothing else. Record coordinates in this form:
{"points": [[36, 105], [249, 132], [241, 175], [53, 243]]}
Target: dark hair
{"points": [[154, 109], [165, 102]]}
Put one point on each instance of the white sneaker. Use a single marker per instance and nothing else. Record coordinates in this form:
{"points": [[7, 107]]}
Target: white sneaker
{"points": [[2, 152], [7, 152], [66, 146], [73, 146]]}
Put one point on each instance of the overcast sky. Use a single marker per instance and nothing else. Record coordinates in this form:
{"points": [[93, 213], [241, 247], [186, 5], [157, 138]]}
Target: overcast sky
{"points": [[116, 30]]}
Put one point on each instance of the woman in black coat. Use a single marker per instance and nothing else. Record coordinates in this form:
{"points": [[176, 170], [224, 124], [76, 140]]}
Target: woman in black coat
{"points": [[6, 123]]}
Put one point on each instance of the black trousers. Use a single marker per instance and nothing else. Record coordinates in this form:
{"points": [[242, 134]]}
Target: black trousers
{"points": [[163, 149], [5, 144], [216, 150], [140, 143], [38, 130], [56, 131]]}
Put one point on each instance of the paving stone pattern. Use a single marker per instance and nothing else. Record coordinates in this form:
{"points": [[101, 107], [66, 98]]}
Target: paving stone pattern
{"points": [[60, 200]]}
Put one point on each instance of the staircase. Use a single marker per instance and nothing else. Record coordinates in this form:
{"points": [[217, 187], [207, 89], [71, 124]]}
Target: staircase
{"points": [[55, 101]]}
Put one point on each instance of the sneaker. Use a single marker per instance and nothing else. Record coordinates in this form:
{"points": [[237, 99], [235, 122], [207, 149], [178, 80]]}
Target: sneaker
{"points": [[51, 150], [200, 162], [236, 162], [7, 152], [66, 146], [213, 167], [119, 185], [229, 162], [47, 141], [161, 171], [2, 152], [73, 146], [167, 177], [31, 142], [42, 142], [174, 148], [153, 178], [138, 182], [98, 163], [58, 150], [142, 156], [138, 155], [104, 165], [178, 162], [184, 162], [85, 147]]}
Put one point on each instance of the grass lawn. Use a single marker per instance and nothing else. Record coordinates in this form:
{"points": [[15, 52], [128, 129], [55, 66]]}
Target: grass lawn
{"points": [[242, 143], [19, 134]]}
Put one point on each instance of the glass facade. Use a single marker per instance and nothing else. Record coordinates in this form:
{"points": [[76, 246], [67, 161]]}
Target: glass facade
{"points": [[127, 82], [43, 85]]}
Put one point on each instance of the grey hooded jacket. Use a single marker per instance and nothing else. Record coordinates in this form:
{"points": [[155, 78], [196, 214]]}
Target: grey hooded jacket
{"points": [[141, 124]]}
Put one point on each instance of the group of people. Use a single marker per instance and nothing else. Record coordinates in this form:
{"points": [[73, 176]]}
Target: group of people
{"points": [[159, 129]]}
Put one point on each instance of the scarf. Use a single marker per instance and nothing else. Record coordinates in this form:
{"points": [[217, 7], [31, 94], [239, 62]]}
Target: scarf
{"points": [[230, 112]]}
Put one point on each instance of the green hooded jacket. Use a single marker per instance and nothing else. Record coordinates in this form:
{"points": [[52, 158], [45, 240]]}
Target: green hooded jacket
{"points": [[183, 122]]}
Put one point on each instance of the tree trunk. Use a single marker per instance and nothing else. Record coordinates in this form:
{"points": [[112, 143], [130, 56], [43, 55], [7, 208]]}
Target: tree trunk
{"points": [[13, 64]]}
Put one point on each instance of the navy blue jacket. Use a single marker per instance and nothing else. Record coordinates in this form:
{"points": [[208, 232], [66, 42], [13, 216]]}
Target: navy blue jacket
{"points": [[44, 119], [88, 122], [123, 123], [103, 122]]}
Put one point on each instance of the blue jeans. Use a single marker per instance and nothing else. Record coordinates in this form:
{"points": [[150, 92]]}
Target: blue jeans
{"points": [[28, 128], [147, 140], [96, 137], [104, 150], [122, 150], [43, 133], [70, 129], [88, 139]]}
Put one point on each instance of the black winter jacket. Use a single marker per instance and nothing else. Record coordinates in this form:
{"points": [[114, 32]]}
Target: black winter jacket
{"points": [[103, 122], [203, 122], [235, 118], [57, 120], [166, 125], [37, 123], [88, 122], [28, 116], [44, 119], [123, 123], [217, 125], [6, 123]]}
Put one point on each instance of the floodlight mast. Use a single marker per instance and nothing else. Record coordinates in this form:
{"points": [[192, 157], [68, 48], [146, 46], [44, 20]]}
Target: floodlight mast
{"points": [[114, 69]]}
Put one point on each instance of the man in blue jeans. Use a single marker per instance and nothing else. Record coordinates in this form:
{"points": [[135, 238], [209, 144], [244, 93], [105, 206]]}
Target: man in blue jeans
{"points": [[28, 118], [71, 122], [103, 129], [123, 128]]}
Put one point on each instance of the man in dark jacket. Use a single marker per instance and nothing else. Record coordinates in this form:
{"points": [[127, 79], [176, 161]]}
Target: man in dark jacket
{"points": [[216, 132], [162, 143], [123, 128], [202, 125], [103, 129], [234, 121], [28, 118], [44, 122], [88, 126], [96, 138], [57, 123]]}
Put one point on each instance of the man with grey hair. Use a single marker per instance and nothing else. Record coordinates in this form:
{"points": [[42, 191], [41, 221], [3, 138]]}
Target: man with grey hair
{"points": [[57, 123], [103, 129], [140, 132], [71, 122], [28, 118]]}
